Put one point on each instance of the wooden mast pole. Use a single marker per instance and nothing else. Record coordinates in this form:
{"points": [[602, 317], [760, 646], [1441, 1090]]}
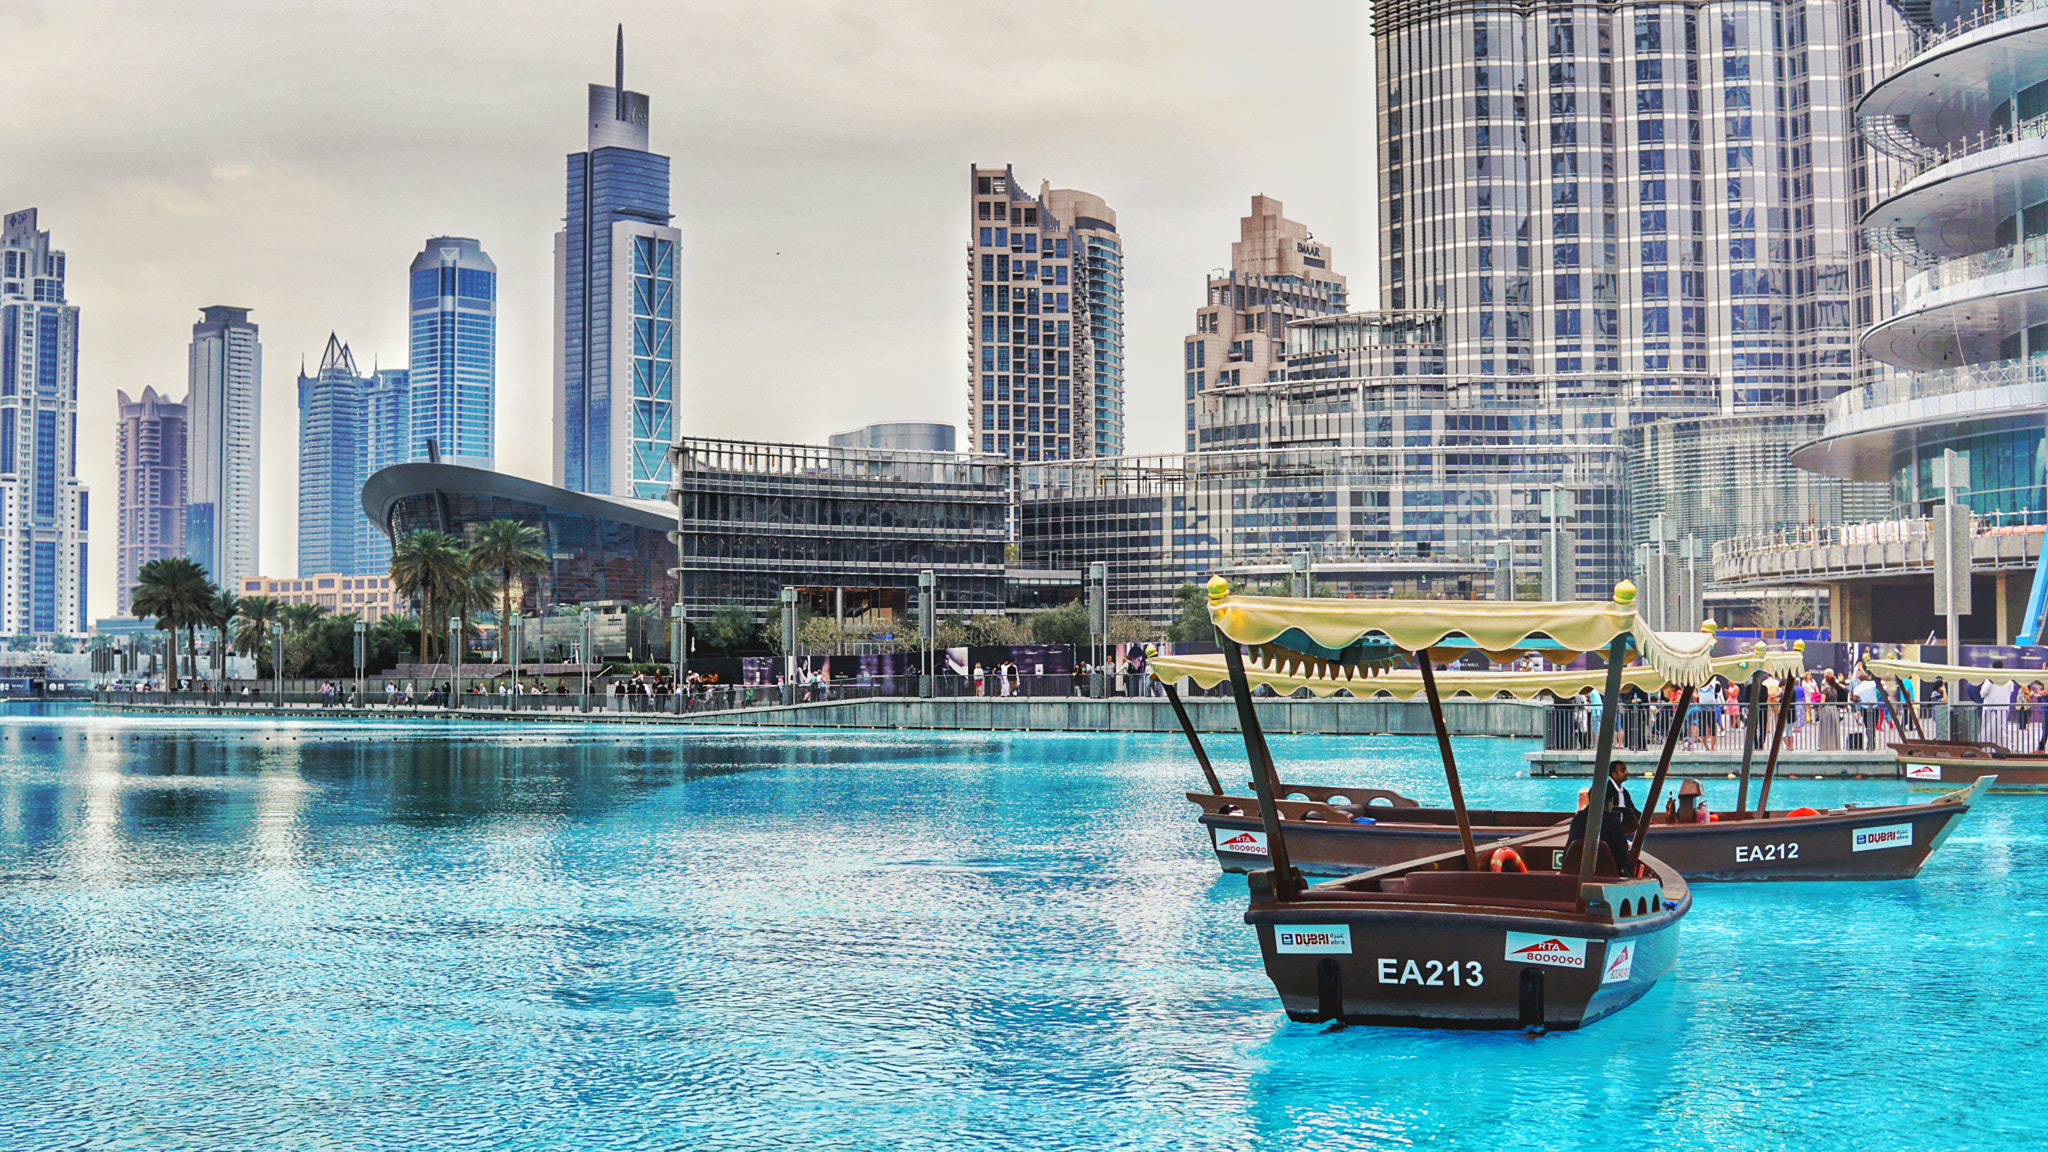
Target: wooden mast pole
{"points": [[1443, 743], [1763, 798], [1187, 728], [1264, 781], [1751, 718], [1671, 735], [1596, 798]]}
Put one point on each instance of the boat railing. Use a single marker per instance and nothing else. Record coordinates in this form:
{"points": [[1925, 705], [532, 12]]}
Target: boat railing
{"points": [[1815, 727]]}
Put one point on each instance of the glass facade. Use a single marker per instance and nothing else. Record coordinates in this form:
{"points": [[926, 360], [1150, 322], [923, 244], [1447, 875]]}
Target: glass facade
{"points": [[619, 283], [43, 550], [1726, 477], [332, 442], [452, 346], [599, 548], [753, 518], [224, 510], [1045, 322]]}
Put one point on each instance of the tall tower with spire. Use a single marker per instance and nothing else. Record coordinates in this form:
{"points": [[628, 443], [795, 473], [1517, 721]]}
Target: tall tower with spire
{"points": [[332, 447], [618, 284]]}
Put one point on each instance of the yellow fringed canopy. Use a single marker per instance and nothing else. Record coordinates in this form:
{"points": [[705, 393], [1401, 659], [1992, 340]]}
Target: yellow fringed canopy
{"points": [[1210, 670], [1919, 670]]}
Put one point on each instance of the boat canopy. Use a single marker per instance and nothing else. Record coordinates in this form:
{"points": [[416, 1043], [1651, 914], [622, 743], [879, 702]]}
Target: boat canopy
{"points": [[1337, 640], [1923, 671], [1209, 670]]}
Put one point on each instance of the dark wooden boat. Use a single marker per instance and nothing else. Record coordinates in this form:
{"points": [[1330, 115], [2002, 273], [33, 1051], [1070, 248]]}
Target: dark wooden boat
{"points": [[1571, 932], [1430, 943], [1930, 765], [1889, 842]]}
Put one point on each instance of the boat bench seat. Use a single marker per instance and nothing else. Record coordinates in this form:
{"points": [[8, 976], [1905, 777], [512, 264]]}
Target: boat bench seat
{"points": [[1396, 896], [1552, 886]]}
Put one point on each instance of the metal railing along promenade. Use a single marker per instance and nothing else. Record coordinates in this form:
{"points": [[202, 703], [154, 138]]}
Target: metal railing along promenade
{"points": [[1816, 727]]}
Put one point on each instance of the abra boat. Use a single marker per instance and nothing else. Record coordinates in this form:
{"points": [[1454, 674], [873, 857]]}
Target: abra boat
{"points": [[1445, 940], [1337, 830], [1934, 765]]}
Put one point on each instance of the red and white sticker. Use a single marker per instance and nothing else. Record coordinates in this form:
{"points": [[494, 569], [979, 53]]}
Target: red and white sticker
{"points": [[1621, 960], [1318, 939], [1549, 951], [1923, 771], [1883, 836], [1247, 843]]}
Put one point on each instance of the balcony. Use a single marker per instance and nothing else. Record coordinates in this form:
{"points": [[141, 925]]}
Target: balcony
{"points": [[1953, 207], [1948, 90], [1865, 427], [1819, 555], [1960, 311]]}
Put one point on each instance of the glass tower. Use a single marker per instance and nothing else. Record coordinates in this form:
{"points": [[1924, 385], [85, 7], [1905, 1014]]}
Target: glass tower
{"points": [[42, 553], [387, 440], [149, 456], [331, 456], [226, 419], [618, 284], [453, 341]]}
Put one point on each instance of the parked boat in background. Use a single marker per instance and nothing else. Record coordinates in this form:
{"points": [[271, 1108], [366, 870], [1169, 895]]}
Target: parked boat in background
{"points": [[1933, 763]]}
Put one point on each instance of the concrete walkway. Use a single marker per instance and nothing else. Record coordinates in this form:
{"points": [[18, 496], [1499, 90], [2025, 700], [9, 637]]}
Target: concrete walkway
{"points": [[1878, 765]]}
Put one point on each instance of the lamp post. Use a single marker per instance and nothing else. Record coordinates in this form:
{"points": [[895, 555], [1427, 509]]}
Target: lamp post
{"points": [[788, 645], [1559, 571], [927, 628], [361, 630], [454, 661], [1098, 619], [585, 653], [277, 664], [678, 653]]}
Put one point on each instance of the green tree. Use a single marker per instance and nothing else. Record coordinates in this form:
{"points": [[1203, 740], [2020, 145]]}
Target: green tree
{"points": [[222, 614], [510, 549], [428, 567], [1191, 616], [1066, 624], [300, 617], [258, 613], [643, 628], [327, 649], [476, 596], [729, 627], [178, 593]]}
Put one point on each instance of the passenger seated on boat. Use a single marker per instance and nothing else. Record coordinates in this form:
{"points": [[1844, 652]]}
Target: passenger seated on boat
{"points": [[1603, 864]]}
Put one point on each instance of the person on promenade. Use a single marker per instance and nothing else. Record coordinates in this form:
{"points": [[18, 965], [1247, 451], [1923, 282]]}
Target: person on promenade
{"points": [[1867, 707], [978, 677]]}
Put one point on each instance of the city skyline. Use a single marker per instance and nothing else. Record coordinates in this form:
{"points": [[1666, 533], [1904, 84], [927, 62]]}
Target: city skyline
{"points": [[820, 173]]}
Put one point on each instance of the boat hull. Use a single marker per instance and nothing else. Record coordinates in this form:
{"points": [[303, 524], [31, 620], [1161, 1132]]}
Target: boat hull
{"points": [[1438, 968], [1890, 843], [1925, 773]]}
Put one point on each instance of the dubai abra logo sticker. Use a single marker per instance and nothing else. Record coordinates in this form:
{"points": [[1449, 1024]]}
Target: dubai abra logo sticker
{"points": [[1621, 960]]}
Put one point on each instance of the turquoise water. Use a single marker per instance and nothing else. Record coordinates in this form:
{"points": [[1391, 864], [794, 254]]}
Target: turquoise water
{"points": [[242, 935]]}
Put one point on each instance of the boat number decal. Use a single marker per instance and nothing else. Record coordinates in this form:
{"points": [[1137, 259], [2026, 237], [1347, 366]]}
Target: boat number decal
{"points": [[1923, 771], [1432, 973], [1761, 853], [1249, 843], [1313, 938], [1551, 951], [1621, 960], [1886, 836]]}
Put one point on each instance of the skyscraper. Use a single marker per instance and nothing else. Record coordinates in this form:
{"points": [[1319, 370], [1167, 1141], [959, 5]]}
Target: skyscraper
{"points": [[453, 338], [387, 440], [225, 409], [1278, 272], [618, 282], [42, 552], [1045, 329], [332, 440], [149, 451]]}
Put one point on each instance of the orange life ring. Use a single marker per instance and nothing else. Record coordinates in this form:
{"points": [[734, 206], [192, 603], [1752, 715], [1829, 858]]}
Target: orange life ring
{"points": [[1508, 860], [1804, 812]]}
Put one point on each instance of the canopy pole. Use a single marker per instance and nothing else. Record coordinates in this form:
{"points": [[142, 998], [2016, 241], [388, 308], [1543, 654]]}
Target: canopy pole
{"points": [[1671, 735], [1752, 718], [1603, 759], [1187, 729], [1763, 798], [1912, 713], [1884, 699], [1264, 781], [1443, 744]]}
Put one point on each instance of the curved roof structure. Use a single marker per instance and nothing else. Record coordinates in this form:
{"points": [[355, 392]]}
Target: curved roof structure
{"points": [[403, 480]]}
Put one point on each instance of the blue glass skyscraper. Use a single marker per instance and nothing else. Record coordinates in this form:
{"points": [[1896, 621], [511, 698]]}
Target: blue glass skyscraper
{"points": [[387, 440], [453, 340], [618, 282], [42, 552], [331, 453]]}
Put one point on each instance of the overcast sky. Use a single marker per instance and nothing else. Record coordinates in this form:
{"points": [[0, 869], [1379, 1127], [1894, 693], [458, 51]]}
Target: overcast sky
{"points": [[291, 157]]}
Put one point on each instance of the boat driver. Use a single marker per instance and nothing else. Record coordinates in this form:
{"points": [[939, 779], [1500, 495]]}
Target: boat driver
{"points": [[1617, 777], [1612, 832]]}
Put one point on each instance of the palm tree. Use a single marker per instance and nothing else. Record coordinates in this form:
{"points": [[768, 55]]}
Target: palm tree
{"points": [[643, 627], [475, 595], [258, 613], [178, 593], [509, 548], [427, 566], [221, 614], [299, 617]]}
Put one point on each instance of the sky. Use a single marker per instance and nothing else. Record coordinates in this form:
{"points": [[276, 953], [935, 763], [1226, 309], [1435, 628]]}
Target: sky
{"points": [[292, 157]]}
